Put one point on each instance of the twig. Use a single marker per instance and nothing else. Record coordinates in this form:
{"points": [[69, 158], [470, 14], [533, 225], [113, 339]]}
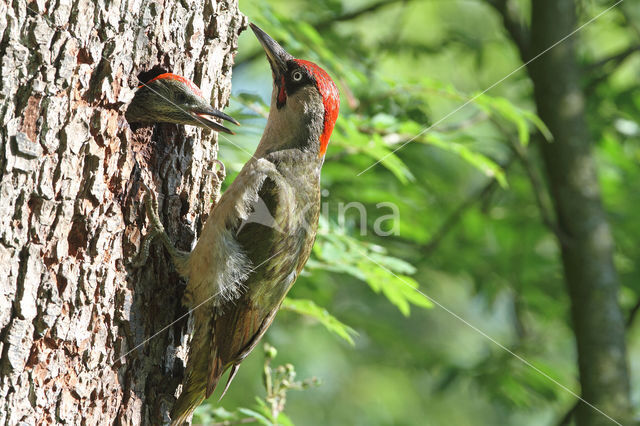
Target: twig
{"points": [[632, 314], [617, 59], [326, 23], [539, 193], [356, 13], [605, 70], [517, 30], [457, 214], [567, 417]]}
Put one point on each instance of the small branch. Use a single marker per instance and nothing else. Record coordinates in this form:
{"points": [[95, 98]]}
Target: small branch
{"points": [[604, 67], [616, 59], [566, 419], [328, 22], [356, 13], [458, 213], [632, 314], [538, 192], [517, 30]]}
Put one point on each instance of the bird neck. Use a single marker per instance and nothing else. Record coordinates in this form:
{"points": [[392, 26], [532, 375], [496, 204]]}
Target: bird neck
{"points": [[297, 125]]}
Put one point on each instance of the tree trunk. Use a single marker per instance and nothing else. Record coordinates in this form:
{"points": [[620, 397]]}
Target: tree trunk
{"points": [[587, 252], [71, 219]]}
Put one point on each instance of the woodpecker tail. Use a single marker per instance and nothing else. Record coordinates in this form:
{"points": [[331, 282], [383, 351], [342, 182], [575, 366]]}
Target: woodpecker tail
{"points": [[184, 408], [193, 390], [197, 387], [204, 370], [194, 386]]}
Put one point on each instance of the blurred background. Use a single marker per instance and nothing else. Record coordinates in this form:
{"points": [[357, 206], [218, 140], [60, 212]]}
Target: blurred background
{"points": [[466, 220]]}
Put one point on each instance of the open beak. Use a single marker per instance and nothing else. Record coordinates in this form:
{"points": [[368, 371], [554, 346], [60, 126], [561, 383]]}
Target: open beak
{"points": [[205, 115], [278, 57]]}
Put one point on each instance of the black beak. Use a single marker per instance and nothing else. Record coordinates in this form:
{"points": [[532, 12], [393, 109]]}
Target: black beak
{"points": [[204, 115], [278, 57]]}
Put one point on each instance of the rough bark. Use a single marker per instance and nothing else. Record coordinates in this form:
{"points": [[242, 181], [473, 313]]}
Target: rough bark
{"points": [[587, 251], [71, 218]]}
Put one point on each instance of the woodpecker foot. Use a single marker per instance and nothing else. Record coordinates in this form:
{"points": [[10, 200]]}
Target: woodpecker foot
{"points": [[157, 230], [143, 254], [221, 174]]}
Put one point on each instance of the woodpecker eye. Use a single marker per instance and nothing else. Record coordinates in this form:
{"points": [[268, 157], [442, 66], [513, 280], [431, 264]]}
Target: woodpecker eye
{"points": [[181, 98], [297, 76]]}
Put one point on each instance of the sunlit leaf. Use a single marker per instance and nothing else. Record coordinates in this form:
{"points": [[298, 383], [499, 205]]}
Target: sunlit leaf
{"points": [[310, 309], [478, 160], [259, 418]]}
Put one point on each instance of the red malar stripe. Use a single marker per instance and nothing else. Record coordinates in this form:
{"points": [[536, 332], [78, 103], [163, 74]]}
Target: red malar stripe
{"points": [[330, 98]]}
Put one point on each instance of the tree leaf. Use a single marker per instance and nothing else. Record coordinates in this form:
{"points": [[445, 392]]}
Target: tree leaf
{"points": [[310, 309], [254, 414]]}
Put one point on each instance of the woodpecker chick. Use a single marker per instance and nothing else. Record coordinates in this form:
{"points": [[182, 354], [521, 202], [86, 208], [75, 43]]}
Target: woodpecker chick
{"points": [[171, 98], [259, 235]]}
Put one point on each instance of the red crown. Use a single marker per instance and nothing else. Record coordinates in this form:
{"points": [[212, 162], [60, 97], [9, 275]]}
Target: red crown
{"points": [[170, 76]]}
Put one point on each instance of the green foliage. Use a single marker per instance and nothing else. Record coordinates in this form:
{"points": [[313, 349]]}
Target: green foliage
{"points": [[310, 309], [338, 252], [268, 411], [520, 118]]}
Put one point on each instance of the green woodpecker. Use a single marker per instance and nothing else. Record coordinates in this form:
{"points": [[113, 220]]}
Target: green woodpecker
{"points": [[259, 235], [171, 98]]}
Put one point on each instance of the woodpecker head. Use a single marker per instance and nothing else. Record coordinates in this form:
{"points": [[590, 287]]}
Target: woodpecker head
{"points": [[172, 98], [304, 102]]}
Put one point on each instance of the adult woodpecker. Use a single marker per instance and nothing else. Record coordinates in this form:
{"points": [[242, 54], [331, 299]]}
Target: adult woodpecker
{"points": [[242, 266], [171, 98]]}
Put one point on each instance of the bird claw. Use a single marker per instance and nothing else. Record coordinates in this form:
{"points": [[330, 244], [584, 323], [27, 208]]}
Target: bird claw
{"points": [[157, 230], [221, 174], [143, 254]]}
